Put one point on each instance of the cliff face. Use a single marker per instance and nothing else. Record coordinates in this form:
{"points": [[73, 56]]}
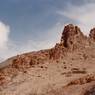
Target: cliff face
{"points": [[71, 57], [72, 39], [72, 36], [92, 34]]}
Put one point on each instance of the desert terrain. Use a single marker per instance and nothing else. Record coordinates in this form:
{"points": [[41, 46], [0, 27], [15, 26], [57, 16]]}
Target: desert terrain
{"points": [[66, 69]]}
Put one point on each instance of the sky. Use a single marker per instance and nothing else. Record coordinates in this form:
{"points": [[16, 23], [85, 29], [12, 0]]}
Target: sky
{"points": [[28, 25]]}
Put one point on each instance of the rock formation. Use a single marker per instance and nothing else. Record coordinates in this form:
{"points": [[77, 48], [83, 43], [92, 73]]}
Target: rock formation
{"points": [[71, 36], [74, 50], [92, 34]]}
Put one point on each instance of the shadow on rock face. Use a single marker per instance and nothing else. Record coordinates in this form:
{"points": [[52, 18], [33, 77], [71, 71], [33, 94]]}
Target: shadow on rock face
{"points": [[91, 91]]}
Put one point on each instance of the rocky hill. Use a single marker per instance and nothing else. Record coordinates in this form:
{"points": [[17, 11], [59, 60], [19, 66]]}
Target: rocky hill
{"points": [[66, 69]]}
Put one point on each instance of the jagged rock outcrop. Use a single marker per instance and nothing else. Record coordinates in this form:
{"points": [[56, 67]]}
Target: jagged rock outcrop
{"points": [[57, 52], [27, 60], [92, 34], [72, 37], [83, 80]]}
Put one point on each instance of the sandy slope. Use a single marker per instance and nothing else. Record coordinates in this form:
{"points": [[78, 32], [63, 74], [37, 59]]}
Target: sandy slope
{"points": [[43, 78]]}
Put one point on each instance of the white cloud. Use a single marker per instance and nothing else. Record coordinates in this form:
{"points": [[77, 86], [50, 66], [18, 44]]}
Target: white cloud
{"points": [[83, 15], [4, 33]]}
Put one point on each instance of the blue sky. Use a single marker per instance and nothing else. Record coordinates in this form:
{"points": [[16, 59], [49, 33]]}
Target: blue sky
{"points": [[38, 24], [29, 18]]}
